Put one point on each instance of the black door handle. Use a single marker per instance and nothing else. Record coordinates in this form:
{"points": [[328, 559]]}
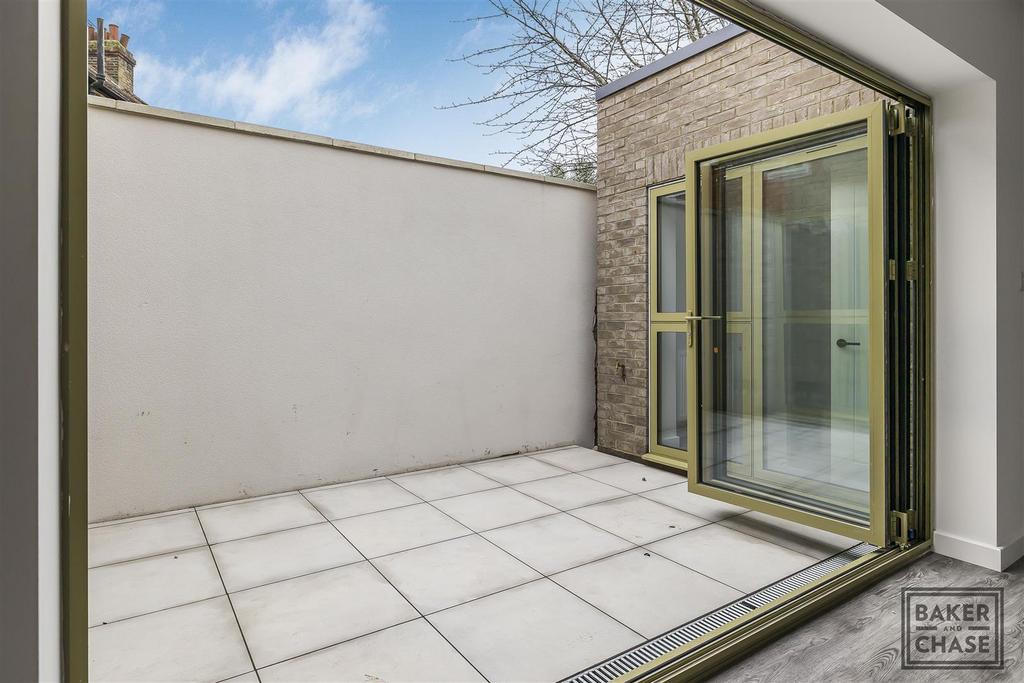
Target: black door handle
{"points": [[842, 343]]}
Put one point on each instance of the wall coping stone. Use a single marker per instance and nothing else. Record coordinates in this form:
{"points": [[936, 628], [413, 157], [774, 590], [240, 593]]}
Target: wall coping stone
{"points": [[308, 138]]}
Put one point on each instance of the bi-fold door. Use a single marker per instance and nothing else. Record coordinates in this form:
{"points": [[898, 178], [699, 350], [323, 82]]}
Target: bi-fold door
{"points": [[670, 307], [772, 294]]}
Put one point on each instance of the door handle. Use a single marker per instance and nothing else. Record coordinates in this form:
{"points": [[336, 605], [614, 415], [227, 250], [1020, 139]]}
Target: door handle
{"points": [[842, 343], [690, 319]]}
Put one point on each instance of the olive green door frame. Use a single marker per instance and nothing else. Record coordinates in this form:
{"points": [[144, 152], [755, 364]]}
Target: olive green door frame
{"points": [[665, 324], [912, 269], [73, 339], [750, 316]]}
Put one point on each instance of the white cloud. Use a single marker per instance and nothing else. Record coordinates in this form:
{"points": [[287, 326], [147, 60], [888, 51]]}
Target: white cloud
{"points": [[161, 83], [133, 16], [298, 81]]}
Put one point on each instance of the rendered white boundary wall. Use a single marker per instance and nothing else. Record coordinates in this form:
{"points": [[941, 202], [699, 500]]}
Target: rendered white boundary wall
{"points": [[270, 311]]}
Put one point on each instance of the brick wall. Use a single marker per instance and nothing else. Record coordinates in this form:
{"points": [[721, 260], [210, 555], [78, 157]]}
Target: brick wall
{"points": [[118, 63], [743, 86]]}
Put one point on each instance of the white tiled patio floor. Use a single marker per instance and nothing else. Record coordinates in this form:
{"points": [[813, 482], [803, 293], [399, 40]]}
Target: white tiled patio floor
{"points": [[524, 568]]}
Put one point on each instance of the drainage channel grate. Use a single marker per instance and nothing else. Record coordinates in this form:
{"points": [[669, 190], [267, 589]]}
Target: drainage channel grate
{"points": [[623, 663]]}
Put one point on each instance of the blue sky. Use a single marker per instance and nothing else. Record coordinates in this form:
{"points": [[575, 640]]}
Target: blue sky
{"points": [[373, 71]]}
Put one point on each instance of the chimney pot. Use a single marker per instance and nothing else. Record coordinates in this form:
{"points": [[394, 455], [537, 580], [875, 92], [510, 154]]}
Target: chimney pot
{"points": [[114, 66]]}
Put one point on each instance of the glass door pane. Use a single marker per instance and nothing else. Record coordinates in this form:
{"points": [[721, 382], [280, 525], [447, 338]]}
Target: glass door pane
{"points": [[790, 349], [668, 438], [671, 389], [670, 216]]}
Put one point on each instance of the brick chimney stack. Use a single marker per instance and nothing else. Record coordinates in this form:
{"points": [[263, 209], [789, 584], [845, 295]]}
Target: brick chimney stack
{"points": [[118, 63]]}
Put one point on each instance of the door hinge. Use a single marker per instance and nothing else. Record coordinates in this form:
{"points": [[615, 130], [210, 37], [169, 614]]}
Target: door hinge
{"points": [[892, 269], [901, 526], [896, 120], [911, 269]]}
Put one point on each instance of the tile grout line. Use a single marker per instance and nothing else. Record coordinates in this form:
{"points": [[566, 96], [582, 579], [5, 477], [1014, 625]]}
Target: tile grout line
{"points": [[327, 487], [498, 485], [395, 588], [158, 611], [341, 642], [744, 595], [570, 511], [250, 499], [644, 547], [655, 488], [700, 573], [779, 545], [532, 568], [709, 523], [633, 544], [470, 531], [239, 590], [149, 557], [626, 494], [466, 466], [426, 617], [210, 545], [765, 540], [139, 518], [341, 484], [393, 478], [206, 542], [422, 501], [297, 576], [231, 678], [741, 590], [639, 546], [541, 576], [231, 604]]}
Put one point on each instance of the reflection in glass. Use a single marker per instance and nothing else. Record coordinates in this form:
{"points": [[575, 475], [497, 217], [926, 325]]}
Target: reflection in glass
{"points": [[800, 394], [814, 292], [672, 389], [671, 212], [735, 264], [737, 417]]}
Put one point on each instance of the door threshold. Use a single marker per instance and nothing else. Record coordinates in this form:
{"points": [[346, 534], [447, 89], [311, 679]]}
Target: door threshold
{"points": [[700, 647]]}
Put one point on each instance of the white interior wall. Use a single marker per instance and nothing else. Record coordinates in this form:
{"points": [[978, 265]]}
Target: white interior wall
{"points": [[989, 34], [967, 56], [29, 420], [267, 314], [49, 340]]}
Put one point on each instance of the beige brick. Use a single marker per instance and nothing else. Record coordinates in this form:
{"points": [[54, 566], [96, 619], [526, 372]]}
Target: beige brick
{"points": [[744, 86]]}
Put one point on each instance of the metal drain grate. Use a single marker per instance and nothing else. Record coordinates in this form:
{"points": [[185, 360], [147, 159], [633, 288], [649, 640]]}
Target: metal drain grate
{"points": [[623, 663]]}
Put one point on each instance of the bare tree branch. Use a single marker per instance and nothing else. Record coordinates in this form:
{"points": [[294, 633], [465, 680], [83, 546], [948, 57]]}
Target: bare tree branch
{"points": [[558, 53]]}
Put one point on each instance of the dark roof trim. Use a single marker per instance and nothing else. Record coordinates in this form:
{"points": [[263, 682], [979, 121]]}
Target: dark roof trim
{"points": [[110, 89], [682, 54]]}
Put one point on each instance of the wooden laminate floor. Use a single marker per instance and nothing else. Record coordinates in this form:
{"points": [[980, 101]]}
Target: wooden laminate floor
{"points": [[860, 640]]}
